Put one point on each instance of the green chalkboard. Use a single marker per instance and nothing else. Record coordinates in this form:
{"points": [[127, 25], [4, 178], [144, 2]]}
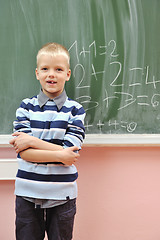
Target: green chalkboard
{"points": [[115, 59]]}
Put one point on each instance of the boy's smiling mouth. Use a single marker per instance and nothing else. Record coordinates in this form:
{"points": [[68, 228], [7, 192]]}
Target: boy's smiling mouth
{"points": [[51, 82]]}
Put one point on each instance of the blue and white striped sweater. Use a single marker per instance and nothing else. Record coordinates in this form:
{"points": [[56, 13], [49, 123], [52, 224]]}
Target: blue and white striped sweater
{"points": [[60, 126]]}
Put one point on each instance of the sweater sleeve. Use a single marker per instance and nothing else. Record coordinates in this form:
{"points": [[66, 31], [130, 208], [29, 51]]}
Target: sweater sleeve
{"points": [[22, 123], [75, 132]]}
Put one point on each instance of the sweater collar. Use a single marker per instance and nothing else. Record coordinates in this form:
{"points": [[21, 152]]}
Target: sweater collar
{"points": [[59, 100]]}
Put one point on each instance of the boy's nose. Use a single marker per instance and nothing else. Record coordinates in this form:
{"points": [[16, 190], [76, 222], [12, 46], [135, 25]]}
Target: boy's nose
{"points": [[51, 73]]}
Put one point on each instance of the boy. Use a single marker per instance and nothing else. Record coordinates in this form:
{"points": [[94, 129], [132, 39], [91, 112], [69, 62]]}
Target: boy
{"points": [[49, 131]]}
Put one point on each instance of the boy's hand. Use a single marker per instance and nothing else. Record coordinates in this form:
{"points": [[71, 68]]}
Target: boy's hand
{"points": [[21, 141], [69, 155]]}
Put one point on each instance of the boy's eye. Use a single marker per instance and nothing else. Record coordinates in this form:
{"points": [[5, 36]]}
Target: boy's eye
{"points": [[44, 69], [59, 69]]}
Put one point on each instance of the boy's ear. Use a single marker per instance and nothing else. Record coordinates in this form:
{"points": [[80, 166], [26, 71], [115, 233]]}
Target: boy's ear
{"points": [[37, 75], [68, 74]]}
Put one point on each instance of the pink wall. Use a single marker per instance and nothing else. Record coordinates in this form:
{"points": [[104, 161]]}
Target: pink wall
{"points": [[119, 195]]}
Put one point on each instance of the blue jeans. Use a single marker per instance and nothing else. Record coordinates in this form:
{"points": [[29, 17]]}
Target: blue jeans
{"points": [[31, 223]]}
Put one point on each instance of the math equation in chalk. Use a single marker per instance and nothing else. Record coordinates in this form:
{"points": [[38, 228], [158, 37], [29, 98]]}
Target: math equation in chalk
{"points": [[106, 84]]}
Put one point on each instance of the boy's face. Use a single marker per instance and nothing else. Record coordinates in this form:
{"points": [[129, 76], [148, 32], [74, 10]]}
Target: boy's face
{"points": [[53, 72]]}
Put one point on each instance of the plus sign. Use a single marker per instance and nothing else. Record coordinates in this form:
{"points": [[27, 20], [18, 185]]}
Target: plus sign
{"points": [[87, 126], [84, 52], [100, 124]]}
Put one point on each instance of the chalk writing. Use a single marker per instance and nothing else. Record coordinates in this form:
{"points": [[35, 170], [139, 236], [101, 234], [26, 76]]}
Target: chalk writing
{"points": [[119, 91], [112, 126]]}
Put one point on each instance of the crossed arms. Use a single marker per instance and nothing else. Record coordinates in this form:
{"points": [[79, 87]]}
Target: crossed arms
{"points": [[33, 149]]}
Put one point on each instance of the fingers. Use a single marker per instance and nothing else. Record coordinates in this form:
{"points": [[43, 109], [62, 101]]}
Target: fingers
{"points": [[12, 141], [70, 156], [76, 155], [74, 148], [17, 134], [16, 149]]}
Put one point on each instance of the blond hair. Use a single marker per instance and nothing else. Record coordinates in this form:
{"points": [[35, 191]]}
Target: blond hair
{"points": [[53, 49]]}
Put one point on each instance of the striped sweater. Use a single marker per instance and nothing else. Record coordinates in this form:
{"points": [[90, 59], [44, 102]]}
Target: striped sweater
{"points": [[59, 122]]}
